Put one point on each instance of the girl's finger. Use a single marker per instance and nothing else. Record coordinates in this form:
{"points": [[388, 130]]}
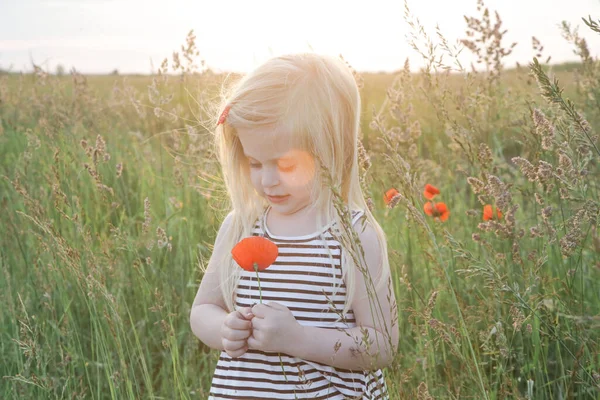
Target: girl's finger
{"points": [[256, 322], [238, 353], [232, 345], [259, 310], [253, 343], [236, 334], [276, 305], [246, 312], [239, 323]]}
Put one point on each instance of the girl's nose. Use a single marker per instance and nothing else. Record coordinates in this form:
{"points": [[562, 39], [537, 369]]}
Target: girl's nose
{"points": [[270, 177]]}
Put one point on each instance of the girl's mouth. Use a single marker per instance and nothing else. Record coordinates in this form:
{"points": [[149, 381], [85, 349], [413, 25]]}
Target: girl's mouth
{"points": [[278, 199]]}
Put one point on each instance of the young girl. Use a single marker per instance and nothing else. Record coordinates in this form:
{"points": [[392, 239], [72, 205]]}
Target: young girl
{"points": [[288, 134]]}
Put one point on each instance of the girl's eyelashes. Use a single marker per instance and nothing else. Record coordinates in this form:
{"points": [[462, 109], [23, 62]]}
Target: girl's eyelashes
{"points": [[281, 168]]}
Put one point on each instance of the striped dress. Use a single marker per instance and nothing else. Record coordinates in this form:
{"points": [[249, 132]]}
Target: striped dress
{"points": [[297, 279]]}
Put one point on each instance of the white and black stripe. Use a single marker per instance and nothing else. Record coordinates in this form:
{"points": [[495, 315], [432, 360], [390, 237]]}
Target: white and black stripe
{"points": [[304, 280]]}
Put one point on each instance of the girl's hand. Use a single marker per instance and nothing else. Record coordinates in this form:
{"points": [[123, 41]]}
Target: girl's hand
{"points": [[274, 328], [236, 329]]}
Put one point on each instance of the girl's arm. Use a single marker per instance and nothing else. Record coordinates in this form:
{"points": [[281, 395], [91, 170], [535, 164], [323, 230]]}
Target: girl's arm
{"points": [[206, 321], [318, 344], [209, 309]]}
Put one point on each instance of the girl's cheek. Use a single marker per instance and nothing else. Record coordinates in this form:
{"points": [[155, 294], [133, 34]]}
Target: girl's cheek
{"points": [[255, 179], [303, 178]]}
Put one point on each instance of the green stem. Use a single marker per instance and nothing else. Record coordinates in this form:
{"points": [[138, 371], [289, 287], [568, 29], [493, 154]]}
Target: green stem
{"points": [[258, 279]]}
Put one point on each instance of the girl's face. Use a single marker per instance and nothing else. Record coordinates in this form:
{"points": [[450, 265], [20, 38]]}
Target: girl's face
{"points": [[277, 169]]}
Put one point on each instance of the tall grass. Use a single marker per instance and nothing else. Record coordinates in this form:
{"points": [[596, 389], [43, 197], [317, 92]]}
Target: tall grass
{"points": [[111, 199]]}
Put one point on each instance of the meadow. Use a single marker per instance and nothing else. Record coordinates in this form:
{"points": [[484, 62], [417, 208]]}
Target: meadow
{"points": [[111, 198]]}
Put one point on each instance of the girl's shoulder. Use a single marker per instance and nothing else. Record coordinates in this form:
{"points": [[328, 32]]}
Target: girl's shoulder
{"points": [[357, 214], [358, 218]]}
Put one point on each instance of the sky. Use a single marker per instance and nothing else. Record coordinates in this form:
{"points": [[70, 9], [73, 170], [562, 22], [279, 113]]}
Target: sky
{"points": [[132, 36]]}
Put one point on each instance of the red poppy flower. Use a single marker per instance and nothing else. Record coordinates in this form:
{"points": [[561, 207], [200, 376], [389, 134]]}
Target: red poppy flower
{"points": [[437, 210], [224, 115], [488, 213], [389, 195], [255, 253], [430, 192]]}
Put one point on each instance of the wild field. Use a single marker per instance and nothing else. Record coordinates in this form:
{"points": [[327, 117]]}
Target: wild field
{"points": [[111, 197]]}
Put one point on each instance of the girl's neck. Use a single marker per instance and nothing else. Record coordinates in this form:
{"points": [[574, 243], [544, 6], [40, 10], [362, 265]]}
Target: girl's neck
{"points": [[302, 222]]}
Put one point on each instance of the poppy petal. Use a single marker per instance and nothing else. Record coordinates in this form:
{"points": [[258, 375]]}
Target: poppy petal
{"points": [[444, 215], [389, 195], [430, 191], [265, 252], [487, 212], [441, 208], [428, 208], [253, 250], [242, 258]]}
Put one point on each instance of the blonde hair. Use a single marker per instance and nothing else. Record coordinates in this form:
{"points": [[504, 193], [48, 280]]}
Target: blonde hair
{"points": [[316, 98]]}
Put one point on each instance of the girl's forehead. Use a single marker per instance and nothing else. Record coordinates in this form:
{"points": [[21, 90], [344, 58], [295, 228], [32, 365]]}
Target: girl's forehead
{"points": [[267, 144]]}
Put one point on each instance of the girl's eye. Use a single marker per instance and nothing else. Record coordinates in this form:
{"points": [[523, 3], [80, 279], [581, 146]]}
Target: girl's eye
{"points": [[281, 168]]}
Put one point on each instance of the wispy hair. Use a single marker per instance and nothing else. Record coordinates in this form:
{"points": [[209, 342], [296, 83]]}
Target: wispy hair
{"points": [[316, 99]]}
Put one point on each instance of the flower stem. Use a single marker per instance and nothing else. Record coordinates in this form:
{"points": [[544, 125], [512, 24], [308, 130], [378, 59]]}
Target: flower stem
{"points": [[258, 278]]}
